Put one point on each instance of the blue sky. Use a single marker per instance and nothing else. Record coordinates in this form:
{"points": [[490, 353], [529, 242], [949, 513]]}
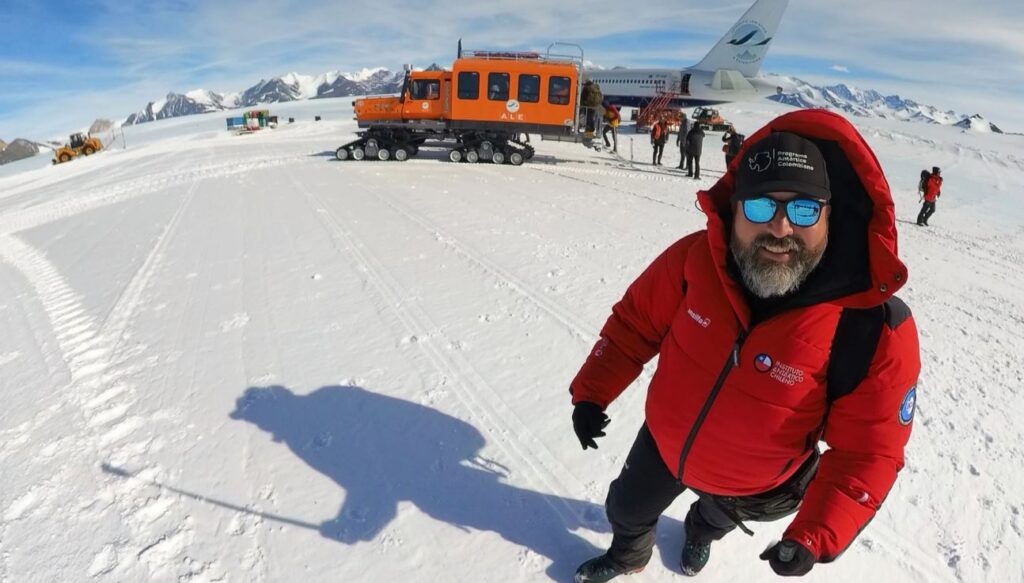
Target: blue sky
{"points": [[65, 63]]}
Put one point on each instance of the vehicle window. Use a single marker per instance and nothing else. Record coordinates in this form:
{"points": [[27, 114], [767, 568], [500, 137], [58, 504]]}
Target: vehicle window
{"points": [[425, 89], [529, 88], [497, 86], [469, 85], [558, 90]]}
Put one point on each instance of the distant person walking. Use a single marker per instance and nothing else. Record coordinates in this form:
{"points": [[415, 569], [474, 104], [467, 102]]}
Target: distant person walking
{"points": [[932, 191], [684, 128], [694, 147], [733, 141], [659, 135], [612, 119]]}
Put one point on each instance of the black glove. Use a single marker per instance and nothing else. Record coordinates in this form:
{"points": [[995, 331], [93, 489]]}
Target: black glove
{"points": [[789, 558], [587, 421]]}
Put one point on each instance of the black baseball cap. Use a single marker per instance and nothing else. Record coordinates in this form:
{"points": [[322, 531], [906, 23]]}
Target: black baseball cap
{"points": [[782, 162]]}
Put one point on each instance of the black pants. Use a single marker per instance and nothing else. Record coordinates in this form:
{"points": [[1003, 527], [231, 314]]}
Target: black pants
{"points": [[646, 488], [693, 165], [927, 210], [659, 149], [728, 160], [608, 128]]}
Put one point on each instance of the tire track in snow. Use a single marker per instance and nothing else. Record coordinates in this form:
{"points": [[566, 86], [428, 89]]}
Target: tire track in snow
{"points": [[155, 542], [470, 387], [567, 209], [119, 317], [576, 326], [74, 329], [14, 221], [87, 350], [610, 187]]}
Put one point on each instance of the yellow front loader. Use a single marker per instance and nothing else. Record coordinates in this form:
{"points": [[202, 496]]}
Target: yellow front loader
{"points": [[78, 145]]}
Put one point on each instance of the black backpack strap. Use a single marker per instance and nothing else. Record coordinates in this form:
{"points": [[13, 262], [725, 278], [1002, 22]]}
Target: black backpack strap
{"points": [[855, 342]]}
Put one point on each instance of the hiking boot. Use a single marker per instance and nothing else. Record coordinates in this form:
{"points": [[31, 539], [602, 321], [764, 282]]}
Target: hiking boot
{"points": [[601, 569], [696, 552]]}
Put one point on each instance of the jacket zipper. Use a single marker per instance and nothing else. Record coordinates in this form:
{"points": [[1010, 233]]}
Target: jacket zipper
{"points": [[732, 362]]}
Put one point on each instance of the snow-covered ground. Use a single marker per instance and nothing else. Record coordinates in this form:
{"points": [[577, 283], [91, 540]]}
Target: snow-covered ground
{"points": [[232, 358]]}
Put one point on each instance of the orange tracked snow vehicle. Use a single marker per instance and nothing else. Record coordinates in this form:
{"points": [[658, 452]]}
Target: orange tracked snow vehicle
{"points": [[478, 109], [710, 119]]}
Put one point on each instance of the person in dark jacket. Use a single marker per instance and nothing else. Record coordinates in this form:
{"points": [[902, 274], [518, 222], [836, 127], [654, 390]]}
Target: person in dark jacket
{"points": [[732, 141], [684, 128], [694, 147], [591, 99], [742, 317], [932, 191]]}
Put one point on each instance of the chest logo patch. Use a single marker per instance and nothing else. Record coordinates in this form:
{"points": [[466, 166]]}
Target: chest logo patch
{"points": [[778, 371]]}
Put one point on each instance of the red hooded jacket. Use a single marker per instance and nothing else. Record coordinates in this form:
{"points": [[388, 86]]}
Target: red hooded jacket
{"points": [[737, 405]]}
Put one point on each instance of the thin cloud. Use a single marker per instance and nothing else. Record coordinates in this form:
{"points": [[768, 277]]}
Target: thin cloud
{"points": [[840, 68]]}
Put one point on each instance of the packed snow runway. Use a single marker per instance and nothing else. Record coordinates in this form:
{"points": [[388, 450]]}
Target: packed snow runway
{"points": [[233, 358]]}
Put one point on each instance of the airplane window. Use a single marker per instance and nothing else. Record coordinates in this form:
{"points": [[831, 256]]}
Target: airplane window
{"points": [[497, 86], [469, 85]]}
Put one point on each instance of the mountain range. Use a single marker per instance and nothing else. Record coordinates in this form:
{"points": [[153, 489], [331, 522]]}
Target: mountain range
{"points": [[290, 87], [870, 103], [16, 150]]}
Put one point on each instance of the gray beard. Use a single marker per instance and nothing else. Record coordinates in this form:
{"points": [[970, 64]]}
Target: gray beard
{"points": [[768, 279]]}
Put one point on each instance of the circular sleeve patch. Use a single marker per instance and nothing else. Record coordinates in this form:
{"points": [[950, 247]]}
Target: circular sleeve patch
{"points": [[908, 406]]}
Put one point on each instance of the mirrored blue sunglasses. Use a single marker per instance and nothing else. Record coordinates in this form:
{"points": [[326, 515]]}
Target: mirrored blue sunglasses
{"points": [[801, 212]]}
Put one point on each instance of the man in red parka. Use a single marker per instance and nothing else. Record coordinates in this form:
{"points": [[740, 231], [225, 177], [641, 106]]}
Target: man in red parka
{"points": [[932, 190], [743, 315]]}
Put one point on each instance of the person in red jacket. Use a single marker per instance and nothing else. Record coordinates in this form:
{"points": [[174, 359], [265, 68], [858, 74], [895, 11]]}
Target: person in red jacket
{"points": [[742, 316], [932, 191]]}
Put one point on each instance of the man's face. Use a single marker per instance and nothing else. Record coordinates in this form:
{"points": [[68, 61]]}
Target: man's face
{"points": [[774, 258]]}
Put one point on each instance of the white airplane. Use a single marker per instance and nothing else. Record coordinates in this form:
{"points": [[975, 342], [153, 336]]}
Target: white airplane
{"points": [[726, 74]]}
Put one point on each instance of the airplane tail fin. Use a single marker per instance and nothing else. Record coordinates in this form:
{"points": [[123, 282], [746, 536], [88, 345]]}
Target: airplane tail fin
{"points": [[743, 48]]}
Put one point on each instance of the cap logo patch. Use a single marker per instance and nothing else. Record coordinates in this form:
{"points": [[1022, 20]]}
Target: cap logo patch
{"points": [[760, 161]]}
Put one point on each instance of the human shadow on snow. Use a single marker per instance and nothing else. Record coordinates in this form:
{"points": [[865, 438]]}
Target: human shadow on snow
{"points": [[383, 451]]}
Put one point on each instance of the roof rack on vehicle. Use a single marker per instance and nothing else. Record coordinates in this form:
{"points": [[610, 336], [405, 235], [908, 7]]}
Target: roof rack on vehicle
{"points": [[511, 55]]}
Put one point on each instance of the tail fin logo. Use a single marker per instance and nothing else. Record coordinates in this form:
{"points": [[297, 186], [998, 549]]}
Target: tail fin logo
{"points": [[753, 38]]}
